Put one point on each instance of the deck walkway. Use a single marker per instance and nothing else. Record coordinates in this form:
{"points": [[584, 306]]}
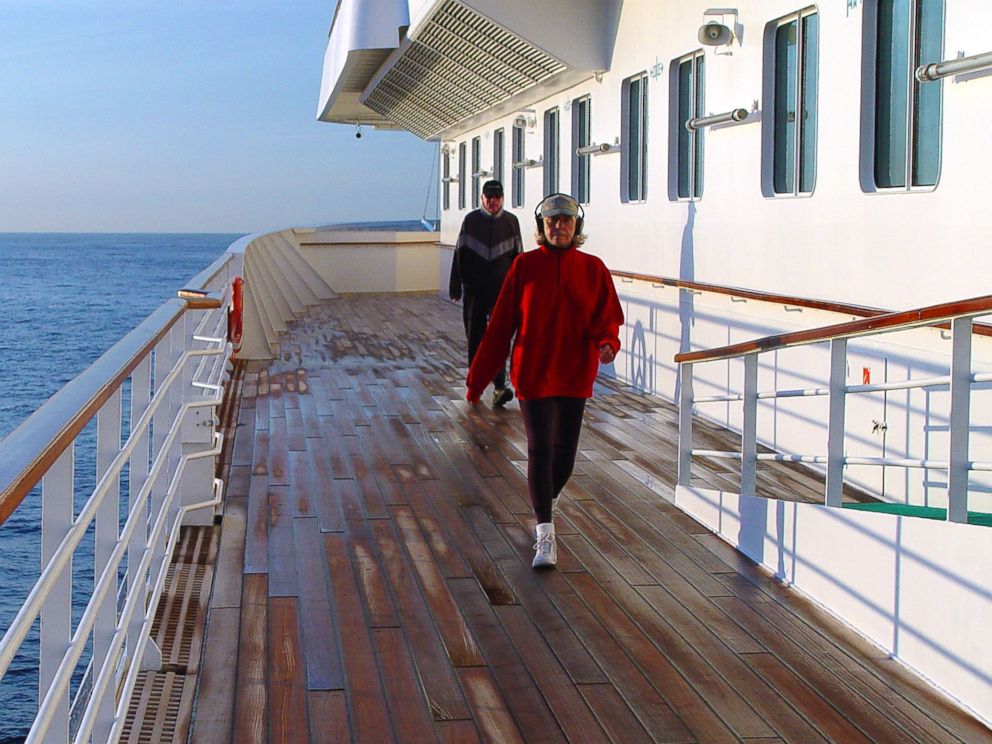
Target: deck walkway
{"points": [[373, 580]]}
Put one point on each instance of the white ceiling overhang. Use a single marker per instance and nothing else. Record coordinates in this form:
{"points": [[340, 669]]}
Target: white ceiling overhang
{"points": [[466, 61], [363, 35]]}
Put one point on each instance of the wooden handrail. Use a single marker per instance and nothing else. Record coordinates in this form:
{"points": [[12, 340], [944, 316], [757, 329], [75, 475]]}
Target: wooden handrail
{"points": [[199, 299], [32, 448], [28, 452], [861, 311], [751, 294], [905, 319]]}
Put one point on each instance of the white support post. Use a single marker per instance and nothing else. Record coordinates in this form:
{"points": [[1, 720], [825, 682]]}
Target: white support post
{"points": [[138, 467], [107, 533], [685, 424], [749, 425], [177, 393], [162, 421], [56, 630], [960, 420], [834, 495], [199, 425]]}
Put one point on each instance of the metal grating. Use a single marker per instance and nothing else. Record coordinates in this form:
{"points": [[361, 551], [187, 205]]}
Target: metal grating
{"points": [[160, 705], [461, 63], [154, 711], [176, 614]]}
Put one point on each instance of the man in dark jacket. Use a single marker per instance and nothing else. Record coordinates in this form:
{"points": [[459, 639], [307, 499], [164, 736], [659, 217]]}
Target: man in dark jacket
{"points": [[487, 244]]}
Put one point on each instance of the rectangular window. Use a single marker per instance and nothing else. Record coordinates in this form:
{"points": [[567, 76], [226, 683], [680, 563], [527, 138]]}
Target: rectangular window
{"points": [[634, 126], [689, 75], [552, 154], [498, 155], [796, 76], [476, 168], [581, 137], [446, 180], [462, 172], [519, 153], [907, 112]]}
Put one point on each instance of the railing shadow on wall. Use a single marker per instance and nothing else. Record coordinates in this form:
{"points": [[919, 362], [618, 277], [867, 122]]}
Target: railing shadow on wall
{"points": [[879, 569]]}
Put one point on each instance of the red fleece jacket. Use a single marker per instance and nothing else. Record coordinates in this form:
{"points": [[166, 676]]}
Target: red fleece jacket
{"points": [[562, 306]]}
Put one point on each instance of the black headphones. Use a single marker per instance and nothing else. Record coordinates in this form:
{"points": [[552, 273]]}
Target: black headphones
{"points": [[578, 220]]}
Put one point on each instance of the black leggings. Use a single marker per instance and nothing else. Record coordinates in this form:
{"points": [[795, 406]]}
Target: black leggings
{"points": [[553, 426], [475, 312]]}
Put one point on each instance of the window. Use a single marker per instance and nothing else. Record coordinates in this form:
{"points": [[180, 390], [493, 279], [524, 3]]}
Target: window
{"points": [[908, 33], [688, 86], [476, 168], [519, 153], [581, 137], [461, 175], [446, 179], [796, 71], [498, 155], [634, 160], [552, 153]]}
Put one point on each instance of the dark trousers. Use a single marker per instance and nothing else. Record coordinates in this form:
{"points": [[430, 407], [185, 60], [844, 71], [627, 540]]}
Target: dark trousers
{"points": [[553, 426], [475, 312]]}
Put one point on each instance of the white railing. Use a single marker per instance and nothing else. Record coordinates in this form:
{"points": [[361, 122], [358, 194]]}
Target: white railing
{"points": [[172, 368], [960, 380]]}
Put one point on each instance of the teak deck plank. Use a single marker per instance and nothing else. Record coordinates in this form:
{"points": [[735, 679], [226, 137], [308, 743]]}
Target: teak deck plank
{"points": [[287, 689], [374, 584]]}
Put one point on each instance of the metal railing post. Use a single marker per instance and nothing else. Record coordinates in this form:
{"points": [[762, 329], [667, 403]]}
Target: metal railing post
{"points": [[162, 422], [107, 531], [685, 424], [959, 420], [56, 631], [834, 495], [138, 466], [749, 426]]}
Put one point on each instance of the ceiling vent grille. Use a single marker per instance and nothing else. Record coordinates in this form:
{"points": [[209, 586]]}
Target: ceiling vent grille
{"points": [[460, 64]]}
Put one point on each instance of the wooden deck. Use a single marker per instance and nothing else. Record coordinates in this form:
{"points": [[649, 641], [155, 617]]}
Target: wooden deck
{"points": [[373, 580]]}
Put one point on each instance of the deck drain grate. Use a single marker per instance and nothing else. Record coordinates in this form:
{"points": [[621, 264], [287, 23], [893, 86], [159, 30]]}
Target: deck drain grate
{"points": [[160, 704]]}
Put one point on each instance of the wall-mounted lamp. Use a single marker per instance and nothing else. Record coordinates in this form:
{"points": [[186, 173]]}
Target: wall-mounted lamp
{"points": [[938, 70], [526, 119], [445, 149], [699, 122]]}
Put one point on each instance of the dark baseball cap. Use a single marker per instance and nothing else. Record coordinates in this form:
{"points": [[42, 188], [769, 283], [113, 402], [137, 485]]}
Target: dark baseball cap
{"points": [[492, 188]]}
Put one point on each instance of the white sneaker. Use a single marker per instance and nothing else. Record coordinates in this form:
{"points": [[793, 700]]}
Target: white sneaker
{"points": [[546, 548]]}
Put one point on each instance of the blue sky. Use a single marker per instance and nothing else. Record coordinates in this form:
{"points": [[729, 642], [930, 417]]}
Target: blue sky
{"points": [[185, 116]]}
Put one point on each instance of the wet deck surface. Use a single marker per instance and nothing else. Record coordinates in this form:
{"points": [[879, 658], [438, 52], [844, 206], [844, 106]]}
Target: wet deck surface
{"points": [[373, 580]]}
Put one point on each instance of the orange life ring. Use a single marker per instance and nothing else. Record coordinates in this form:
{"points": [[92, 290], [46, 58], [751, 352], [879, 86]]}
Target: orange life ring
{"points": [[235, 313]]}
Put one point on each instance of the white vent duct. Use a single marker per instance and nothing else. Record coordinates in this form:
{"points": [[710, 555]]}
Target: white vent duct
{"points": [[459, 64]]}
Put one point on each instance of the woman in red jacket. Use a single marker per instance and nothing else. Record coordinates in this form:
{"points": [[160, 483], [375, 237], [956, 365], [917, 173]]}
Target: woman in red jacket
{"points": [[559, 307]]}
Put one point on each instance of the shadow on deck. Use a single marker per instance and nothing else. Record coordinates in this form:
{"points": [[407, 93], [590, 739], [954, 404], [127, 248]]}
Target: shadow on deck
{"points": [[373, 580]]}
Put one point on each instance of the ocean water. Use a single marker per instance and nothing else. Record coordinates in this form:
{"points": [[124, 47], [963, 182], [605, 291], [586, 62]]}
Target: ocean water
{"points": [[64, 300]]}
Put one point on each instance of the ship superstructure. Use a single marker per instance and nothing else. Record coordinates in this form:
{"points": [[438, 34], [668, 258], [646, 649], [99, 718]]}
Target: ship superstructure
{"points": [[781, 516], [747, 172]]}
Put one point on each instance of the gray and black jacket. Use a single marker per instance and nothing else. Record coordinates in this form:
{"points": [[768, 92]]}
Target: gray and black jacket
{"points": [[487, 245]]}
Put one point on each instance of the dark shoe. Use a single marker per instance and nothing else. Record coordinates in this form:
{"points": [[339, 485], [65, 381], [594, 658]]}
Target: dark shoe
{"points": [[502, 396]]}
